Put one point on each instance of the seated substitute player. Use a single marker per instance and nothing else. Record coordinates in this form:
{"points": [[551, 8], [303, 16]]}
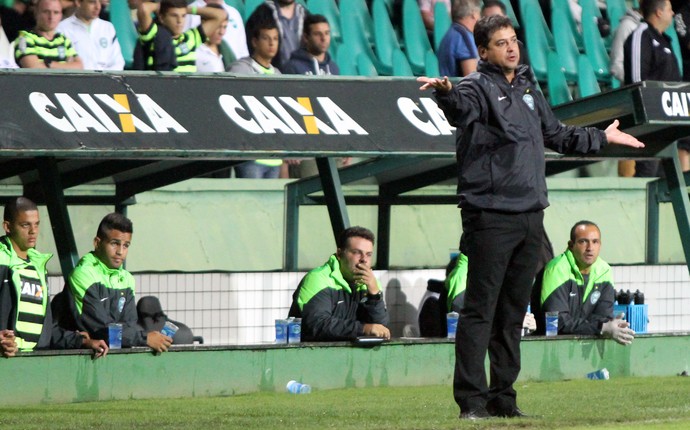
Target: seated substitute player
{"points": [[342, 299], [103, 291], [26, 321], [578, 284], [456, 282]]}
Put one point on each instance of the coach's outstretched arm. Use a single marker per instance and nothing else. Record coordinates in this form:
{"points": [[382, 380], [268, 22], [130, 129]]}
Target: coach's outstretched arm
{"points": [[614, 135]]}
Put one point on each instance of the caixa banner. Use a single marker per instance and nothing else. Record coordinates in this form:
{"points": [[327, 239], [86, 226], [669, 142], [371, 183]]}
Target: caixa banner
{"points": [[87, 114]]}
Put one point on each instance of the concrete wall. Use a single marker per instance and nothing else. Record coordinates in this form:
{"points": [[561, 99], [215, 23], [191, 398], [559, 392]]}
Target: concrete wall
{"points": [[237, 225]]}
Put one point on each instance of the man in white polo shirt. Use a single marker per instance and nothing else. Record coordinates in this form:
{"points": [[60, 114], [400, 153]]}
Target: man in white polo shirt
{"points": [[93, 38]]}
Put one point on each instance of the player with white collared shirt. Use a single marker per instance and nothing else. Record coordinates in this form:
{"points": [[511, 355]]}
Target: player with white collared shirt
{"points": [[94, 39], [235, 35]]}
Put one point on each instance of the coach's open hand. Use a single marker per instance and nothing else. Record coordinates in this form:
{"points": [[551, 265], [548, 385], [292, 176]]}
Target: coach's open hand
{"points": [[614, 135]]}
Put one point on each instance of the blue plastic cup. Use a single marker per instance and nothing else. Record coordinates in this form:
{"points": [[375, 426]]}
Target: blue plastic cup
{"points": [[551, 323], [452, 322], [281, 331], [601, 374], [295, 330], [115, 335]]}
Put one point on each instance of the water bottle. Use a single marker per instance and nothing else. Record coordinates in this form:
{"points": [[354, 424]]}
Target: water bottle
{"points": [[525, 330], [295, 387]]}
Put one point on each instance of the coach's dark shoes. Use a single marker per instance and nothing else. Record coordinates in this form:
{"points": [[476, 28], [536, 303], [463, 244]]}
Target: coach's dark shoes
{"points": [[509, 413], [475, 414]]}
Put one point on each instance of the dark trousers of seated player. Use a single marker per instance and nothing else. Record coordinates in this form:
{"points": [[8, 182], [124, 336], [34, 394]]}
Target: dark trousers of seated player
{"points": [[502, 250]]}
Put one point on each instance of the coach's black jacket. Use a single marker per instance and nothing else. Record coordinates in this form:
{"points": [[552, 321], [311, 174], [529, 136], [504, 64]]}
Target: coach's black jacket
{"points": [[502, 129]]}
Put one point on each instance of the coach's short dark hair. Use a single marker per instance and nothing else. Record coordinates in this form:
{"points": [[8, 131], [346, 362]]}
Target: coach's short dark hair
{"points": [[346, 234], [487, 26], [16, 205], [114, 221]]}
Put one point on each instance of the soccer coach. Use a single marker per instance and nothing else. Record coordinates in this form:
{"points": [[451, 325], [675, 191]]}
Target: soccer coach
{"points": [[503, 124]]}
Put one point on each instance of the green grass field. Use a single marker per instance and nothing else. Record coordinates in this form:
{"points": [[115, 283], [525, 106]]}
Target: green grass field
{"points": [[618, 403]]}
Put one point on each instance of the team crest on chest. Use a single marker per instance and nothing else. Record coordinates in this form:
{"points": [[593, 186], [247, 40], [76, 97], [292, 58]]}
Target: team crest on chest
{"points": [[595, 296], [529, 101]]}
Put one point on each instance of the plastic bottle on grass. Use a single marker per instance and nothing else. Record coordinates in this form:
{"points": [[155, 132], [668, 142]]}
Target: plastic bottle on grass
{"points": [[295, 387]]}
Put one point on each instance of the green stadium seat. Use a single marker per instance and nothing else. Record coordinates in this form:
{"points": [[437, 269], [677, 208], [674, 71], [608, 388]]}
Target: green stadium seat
{"points": [[401, 67], [249, 7], [431, 62], [559, 92], [536, 40], [567, 18], [365, 67], [416, 40], [511, 14], [594, 47], [237, 4], [565, 43], [353, 36], [615, 9], [229, 56], [329, 9], [442, 23], [587, 83], [386, 41], [675, 45], [535, 20], [346, 60], [126, 33], [359, 8]]}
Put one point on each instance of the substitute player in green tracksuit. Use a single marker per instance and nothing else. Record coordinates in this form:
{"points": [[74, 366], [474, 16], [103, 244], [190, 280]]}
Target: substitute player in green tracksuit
{"points": [[103, 291], [26, 321], [579, 285], [342, 299]]}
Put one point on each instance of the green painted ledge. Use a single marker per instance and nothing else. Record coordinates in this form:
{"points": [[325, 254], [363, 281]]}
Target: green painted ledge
{"points": [[199, 371]]}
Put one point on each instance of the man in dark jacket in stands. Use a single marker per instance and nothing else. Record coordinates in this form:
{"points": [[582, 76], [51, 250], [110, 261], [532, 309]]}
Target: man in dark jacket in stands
{"points": [[503, 124], [312, 58], [342, 299]]}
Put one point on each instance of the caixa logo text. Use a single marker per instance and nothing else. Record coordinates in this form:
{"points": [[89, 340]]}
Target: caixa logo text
{"points": [[288, 115], [675, 104], [429, 120], [88, 113]]}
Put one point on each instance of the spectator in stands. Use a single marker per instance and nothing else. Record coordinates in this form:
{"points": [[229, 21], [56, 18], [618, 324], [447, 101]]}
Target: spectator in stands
{"points": [[235, 36], [133, 7], [312, 58], [68, 7], [457, 53], [18, 17], [44, 47], [264, 42], [288, 17], [579, 285], [648, 56], [103, 291], [6, 51], [93, 38], [503, 124], [426, 7], [342, 299], [682, 19], [626, 26], [164, 45], [26, 320], [208, 56]]}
